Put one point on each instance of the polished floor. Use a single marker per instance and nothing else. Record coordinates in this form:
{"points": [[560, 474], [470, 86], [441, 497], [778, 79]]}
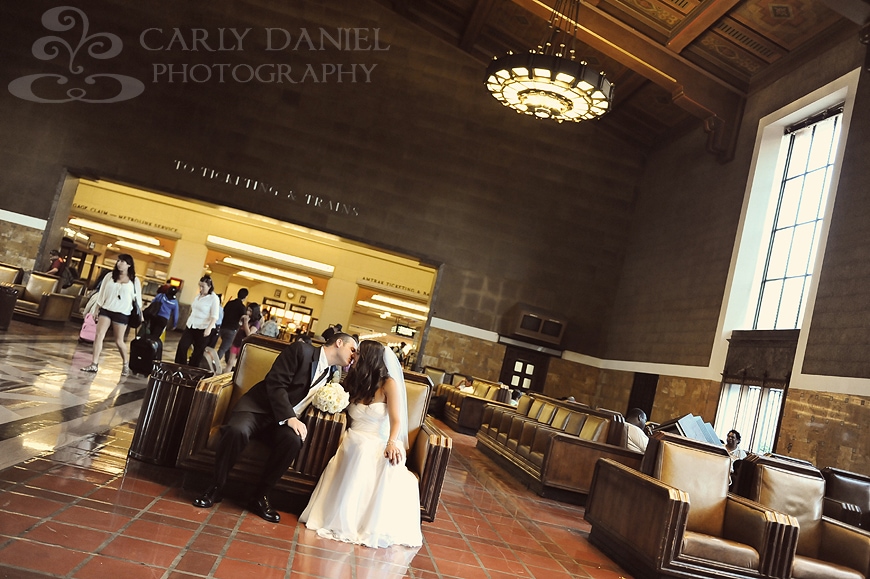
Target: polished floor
{"points": [[73, 505]]}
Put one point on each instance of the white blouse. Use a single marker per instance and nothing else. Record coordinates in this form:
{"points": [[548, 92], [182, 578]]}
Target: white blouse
{"points": [[204, 311], [118, 297]]}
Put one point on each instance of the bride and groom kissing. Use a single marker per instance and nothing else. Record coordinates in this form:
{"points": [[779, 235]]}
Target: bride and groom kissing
{"points": [[350, 500]]}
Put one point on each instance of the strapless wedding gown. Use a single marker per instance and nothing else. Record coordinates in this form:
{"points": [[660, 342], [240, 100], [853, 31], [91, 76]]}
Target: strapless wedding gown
{"points": [[361, 498]]}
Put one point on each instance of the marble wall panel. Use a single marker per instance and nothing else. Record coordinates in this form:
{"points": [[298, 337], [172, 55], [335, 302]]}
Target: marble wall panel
{"points": [[460, 354]]}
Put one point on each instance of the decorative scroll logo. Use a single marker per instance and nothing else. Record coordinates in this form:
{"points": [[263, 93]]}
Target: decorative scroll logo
{"points": [[101, 46]]}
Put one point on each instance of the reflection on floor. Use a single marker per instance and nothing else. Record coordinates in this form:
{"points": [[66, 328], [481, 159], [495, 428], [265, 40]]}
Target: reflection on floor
{"points": [[73, 505]]}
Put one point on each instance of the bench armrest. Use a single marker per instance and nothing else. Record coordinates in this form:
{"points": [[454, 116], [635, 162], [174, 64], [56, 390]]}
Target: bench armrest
{"points": [[428, 459]]}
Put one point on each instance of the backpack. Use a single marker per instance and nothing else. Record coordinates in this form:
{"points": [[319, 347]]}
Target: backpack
{"points": [[68, 275]]}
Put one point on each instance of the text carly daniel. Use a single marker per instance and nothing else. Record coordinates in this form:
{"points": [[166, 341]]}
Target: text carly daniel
{"points": [[202, 40]]}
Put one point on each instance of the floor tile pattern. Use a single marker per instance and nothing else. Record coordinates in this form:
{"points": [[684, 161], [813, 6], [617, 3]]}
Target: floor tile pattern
{"points": [[73, 505]]}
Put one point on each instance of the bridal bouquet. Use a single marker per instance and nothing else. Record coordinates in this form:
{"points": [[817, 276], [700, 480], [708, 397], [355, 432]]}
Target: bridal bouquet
{"points": [[331, 398]]}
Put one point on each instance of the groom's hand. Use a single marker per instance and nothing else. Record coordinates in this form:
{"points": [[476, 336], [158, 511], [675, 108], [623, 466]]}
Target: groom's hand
{"points": [[298, 426]]}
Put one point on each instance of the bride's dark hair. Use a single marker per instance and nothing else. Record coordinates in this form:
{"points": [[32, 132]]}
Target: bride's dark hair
{"points": [[367, 373]]}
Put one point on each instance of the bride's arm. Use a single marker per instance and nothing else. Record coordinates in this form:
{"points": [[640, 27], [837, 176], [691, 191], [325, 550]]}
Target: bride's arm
{"points": [[394, 451]]}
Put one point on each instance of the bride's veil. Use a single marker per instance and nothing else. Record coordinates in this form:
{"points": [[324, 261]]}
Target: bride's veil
{"points": [[394, 367]]}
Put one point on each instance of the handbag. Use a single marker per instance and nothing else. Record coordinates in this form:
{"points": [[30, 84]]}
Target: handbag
{"points": [[89, 330], [135, 319], [154, 307]]}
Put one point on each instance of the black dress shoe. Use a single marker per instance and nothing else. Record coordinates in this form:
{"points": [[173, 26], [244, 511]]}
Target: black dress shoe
{"points": [[209, 497], [263, 508]]}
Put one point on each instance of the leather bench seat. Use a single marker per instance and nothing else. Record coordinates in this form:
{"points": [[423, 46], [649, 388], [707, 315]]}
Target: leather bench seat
{"points": [[463, 411], [847, 497], [675, 517], [215, 397], [41, 302], [552, 445]]}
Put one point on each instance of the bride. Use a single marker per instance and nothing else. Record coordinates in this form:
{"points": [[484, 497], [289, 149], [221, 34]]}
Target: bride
{"points": [[366, 495]]}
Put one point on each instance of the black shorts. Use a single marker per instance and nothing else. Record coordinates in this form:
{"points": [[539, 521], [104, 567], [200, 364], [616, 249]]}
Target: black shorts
{"points": [[116, 318]]}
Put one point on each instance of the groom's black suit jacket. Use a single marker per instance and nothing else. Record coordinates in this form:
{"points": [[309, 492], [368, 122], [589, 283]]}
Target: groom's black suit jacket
{"points": [[286, 384]]}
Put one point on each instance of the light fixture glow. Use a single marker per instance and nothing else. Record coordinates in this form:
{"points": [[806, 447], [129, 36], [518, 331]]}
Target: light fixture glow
{"points": [[394, 311], [276, 255], [548, 83], [281, 282], [401, 303], [266, 269], [141, 248], [111, 230], [69, 232]]}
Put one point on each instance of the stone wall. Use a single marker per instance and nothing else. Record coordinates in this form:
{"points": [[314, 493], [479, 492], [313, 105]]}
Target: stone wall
{"points": [[827, 429], [669, 299], [19, 245], [460, 354], [677, 397], [566, 378], [416, 158]]}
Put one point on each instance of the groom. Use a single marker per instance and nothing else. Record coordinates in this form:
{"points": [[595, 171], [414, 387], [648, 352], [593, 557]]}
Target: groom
{"points": [[267, 408]]}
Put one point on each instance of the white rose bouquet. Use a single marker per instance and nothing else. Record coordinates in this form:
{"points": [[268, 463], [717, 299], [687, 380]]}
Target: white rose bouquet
{"points": [[331, 398]]}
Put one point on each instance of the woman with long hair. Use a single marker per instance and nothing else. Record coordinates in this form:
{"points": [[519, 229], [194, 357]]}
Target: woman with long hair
{"points": [[366, 494], [113, 307], [249, 324], [204, 312]]}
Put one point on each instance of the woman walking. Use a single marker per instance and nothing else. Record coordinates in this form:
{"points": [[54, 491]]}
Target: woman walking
{"points": [[114, 306], [204, 312]]}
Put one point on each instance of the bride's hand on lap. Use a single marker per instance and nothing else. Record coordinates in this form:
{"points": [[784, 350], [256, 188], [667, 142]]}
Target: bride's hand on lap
{"points": [[393, 452]]}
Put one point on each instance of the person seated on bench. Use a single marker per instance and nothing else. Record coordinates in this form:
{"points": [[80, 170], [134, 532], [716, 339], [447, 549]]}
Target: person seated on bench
{"points": [[271, 408], [635, 436]]}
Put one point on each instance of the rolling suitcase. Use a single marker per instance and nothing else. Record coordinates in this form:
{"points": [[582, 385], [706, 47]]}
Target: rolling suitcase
{"points": [[143, 353]]}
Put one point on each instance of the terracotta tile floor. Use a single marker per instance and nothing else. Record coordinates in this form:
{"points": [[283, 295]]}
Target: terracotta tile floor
{"points": [[73, 505]]}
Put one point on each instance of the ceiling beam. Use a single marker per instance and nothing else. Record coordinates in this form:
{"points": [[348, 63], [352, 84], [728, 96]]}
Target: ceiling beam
{"points": [[701, 18], [693, 89], [475, 24]]}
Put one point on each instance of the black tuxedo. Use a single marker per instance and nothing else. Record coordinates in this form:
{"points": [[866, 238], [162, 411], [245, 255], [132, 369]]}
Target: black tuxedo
{"points": [[262, 410]]}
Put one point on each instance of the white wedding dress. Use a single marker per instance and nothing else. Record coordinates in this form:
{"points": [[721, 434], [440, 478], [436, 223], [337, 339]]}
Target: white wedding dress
{"points": [[361, 498]]}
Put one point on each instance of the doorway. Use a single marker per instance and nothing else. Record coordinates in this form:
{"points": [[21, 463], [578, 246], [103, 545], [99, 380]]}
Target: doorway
{"points": [[643, 392], [525, 370]]}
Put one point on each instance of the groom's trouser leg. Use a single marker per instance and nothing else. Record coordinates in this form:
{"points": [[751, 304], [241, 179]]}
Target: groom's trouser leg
{"points": [[286, 445], [235, 435]]}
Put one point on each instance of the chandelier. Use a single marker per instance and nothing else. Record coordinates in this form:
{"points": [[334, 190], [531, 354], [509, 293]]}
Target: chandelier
{"points": [[548, 82]]}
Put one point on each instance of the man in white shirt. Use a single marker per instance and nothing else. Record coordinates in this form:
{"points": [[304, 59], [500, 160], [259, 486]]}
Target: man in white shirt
{"points": [[635, 438]]}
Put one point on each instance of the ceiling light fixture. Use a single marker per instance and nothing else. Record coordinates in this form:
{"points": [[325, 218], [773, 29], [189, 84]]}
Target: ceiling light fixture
{"points": [[400, 303], [322, 268], [547, 82], [141, 248], [69, 232], [266, 269], [281, 282], [115, 231], [394, 311]]}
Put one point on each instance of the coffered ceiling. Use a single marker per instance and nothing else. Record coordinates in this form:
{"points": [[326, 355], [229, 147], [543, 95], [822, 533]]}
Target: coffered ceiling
{"points": [[674, 63]]}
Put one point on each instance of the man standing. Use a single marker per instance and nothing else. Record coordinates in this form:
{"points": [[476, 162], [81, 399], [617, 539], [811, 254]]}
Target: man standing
{"points": [[233, 312], [271, 407]]}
